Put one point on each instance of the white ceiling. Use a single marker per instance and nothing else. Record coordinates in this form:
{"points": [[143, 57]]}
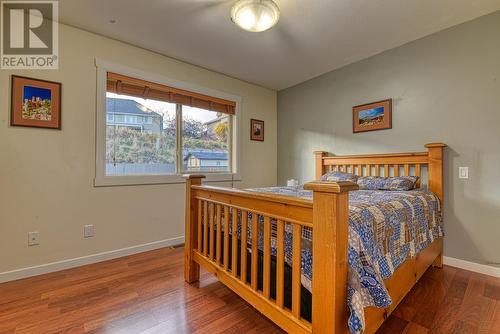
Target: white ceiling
{"points": [[312, 37]]}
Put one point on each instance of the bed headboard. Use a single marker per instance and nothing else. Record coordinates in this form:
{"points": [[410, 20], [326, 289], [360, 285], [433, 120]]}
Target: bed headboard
{"points": [[393, 164]]}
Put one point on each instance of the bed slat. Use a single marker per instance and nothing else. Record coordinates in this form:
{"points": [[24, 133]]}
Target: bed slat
{"points": [[255, 252], [211, 232], [267, 257], [296, 269], [280, 263], [200, 206], [218, 241], [234, 251], [205, 229], [417, 173], [244, 226], [226, 238]]}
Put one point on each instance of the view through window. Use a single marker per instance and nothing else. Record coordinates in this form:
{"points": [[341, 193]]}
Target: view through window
{"points": [[205, 140], [145, 136]]}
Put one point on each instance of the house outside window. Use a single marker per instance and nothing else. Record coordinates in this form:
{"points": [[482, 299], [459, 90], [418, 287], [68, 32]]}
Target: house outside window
{"points": [[131, 113]]}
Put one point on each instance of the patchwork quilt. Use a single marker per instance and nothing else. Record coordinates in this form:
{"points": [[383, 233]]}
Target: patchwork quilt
{"points": [[385, 229]]}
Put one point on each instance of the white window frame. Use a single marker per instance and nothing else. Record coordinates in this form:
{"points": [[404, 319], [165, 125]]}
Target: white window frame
{"points": [[101, 179]]}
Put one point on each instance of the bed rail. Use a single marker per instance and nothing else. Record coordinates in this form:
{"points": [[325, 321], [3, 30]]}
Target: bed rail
{"points": [[211, 210]]}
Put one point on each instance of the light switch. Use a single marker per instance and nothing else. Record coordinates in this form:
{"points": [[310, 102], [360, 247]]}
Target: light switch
{"points": [[463, 172]]}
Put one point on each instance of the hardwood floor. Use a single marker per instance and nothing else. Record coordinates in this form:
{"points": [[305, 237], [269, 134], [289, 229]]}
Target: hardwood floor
{"points": [[145, 293]]}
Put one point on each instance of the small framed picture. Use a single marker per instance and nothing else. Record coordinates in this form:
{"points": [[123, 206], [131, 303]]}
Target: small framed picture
{"points": [[35, 103], [256, 130], [372, 116]]}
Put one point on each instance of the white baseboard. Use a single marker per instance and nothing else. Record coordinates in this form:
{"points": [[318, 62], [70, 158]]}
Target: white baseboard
{"points": [[109, 255], [89, 259], [472, 266]]}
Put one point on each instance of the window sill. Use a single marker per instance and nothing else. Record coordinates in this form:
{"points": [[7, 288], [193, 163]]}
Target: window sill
{"points": [[136, 180]]}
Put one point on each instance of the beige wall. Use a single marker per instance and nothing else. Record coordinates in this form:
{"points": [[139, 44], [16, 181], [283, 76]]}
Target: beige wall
{"points": [[46, 176], [445, 87]]}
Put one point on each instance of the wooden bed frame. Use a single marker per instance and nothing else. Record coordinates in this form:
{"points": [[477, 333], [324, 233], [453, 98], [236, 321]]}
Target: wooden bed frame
{"points": [[327, 214]]}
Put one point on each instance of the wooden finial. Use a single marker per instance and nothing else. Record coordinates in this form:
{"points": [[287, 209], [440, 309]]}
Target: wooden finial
{"points": [[331, 187], [432, 145], [193, 176]]}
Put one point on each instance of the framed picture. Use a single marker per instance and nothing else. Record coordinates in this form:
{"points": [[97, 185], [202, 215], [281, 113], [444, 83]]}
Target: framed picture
{"points": [[256, 130], [372, 116], [35, 103]]}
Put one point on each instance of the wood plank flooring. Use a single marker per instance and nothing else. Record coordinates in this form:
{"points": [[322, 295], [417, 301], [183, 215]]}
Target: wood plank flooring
{"points": [[145, 293]]}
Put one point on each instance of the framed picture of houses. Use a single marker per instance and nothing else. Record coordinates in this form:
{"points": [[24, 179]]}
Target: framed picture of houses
{"points": [[256, 130], [35, 103]]}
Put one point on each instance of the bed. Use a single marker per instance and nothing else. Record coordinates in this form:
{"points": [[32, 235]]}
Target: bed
{"points": [[295, 263]]}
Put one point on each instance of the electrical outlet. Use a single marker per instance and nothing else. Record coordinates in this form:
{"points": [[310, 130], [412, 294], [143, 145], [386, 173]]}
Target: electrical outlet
{"points": [[88, 231], [33, 238], [463, 172]]}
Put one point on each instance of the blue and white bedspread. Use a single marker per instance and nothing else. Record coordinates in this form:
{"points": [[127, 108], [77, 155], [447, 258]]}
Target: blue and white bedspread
{"points": [[385, 229]]}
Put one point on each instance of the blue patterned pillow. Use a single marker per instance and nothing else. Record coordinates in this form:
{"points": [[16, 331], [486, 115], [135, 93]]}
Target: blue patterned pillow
{"points": [[339, 176], [387, 183]]}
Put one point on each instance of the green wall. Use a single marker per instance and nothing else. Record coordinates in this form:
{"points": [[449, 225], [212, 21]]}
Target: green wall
{"points": [[445, 87]]}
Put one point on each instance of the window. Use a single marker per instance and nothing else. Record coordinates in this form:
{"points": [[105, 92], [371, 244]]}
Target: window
{"points": [[153, 133], [133, 150], [206, 140]]}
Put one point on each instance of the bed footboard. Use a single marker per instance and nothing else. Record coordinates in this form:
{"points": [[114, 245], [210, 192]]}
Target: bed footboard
{"points": [[213, 215]]}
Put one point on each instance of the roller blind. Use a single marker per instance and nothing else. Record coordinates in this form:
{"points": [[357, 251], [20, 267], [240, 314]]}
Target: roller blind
{"points": [[121, 84]]}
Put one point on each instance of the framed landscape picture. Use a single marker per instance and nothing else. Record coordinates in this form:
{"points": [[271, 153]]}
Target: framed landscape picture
{"points": [[35, 103], [256, 130], [372, 116]]}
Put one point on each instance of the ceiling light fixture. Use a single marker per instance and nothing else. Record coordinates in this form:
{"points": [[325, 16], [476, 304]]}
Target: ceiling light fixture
{"points": [[255, 15]]}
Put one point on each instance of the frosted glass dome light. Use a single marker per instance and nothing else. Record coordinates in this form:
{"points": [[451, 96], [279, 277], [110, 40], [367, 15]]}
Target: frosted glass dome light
{"points": [[255, 15]]}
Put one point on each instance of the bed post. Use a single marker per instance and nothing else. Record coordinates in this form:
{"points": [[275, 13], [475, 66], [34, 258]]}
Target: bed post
{"points": [[330, 262], [318, 157], [435, 181], [191, 268], [436, 169]]}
